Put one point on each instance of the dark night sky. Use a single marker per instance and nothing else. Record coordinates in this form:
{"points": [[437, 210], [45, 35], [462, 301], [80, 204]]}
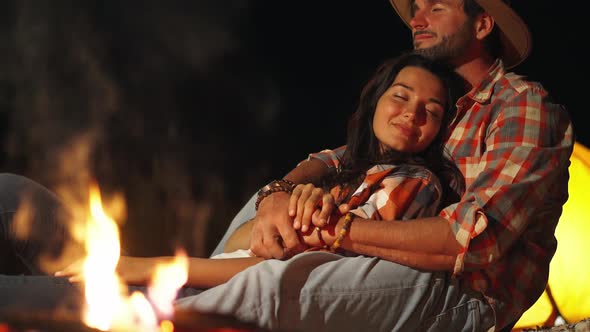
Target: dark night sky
{"points": [[189, 106], [324, 50]]}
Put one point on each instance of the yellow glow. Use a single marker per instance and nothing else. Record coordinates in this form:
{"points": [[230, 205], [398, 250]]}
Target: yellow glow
{"points": [[570, 268], [540, 314], [569, 271], [167, 326]]}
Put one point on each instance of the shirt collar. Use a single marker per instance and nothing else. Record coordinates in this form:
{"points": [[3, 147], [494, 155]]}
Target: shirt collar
{"points": [[483, 92]]}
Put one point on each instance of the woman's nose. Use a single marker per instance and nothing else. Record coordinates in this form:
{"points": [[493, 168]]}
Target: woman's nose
{"points": [[410, 113]]}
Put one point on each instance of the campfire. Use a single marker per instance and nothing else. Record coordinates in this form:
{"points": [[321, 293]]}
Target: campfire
{"points": [[107, 304]]}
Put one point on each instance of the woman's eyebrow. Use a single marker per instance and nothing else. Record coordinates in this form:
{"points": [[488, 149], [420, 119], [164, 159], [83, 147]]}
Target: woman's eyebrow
{"points": [[403, 85]]}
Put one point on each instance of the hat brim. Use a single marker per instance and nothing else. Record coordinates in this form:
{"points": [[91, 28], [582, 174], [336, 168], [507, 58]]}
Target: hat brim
{"points": [[514, 33]]}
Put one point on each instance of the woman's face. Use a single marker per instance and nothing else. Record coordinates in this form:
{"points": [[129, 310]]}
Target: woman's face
{"points": [[409, 114]]}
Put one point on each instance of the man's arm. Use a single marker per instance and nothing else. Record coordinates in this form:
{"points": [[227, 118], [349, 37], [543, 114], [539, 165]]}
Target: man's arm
{"points": [[273, 235], [425, 243], [381, 227], [308, 171]]}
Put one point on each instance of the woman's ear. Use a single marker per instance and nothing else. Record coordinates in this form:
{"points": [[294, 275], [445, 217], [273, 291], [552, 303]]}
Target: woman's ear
{"points": [[484, 24]]}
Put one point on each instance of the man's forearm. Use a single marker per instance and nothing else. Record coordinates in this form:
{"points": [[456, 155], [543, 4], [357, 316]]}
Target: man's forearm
{"points": [[426, 243], [308, 171]]}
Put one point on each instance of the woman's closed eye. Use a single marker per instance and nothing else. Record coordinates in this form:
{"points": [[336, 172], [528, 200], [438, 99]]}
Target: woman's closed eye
{"points": [[400, 96], [434, 112]]}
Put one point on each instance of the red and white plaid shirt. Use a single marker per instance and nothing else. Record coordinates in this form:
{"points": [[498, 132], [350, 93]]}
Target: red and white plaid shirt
{"points": [[512, 143]]}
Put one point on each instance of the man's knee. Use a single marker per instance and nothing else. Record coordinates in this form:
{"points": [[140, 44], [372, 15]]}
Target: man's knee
{"points": [[33, 223]]}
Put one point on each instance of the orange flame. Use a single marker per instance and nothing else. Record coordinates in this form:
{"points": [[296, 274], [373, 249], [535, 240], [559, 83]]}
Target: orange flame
{"points": [[108, 307], [166, 281]]}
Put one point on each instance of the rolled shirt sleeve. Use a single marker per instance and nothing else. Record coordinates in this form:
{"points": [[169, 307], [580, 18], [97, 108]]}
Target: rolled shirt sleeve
{"points": [[330, 157], [517, 180]]}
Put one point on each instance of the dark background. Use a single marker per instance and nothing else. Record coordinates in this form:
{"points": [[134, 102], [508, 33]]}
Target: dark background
{"points": [[188, 107]]}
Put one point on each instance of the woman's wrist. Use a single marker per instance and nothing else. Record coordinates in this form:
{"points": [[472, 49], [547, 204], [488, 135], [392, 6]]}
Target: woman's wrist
{"points": [[337, 230], [341, 235]]}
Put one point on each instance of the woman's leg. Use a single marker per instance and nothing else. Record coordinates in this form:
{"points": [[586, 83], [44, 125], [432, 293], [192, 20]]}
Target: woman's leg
{"points": [[246, 213], [33, 227], [327, 292]]}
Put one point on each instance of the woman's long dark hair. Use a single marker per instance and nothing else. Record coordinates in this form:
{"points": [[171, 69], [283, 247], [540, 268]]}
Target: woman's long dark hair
{"points": [[363, 148]]}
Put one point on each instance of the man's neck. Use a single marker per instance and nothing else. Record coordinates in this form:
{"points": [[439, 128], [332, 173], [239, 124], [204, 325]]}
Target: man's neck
{"points": [[475, 70]]}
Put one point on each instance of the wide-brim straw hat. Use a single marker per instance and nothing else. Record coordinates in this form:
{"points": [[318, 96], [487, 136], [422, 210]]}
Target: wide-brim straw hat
{"points": [[514, 33]]}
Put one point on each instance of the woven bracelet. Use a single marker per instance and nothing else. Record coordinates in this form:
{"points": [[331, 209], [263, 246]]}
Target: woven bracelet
{"points": [[273, 187], [343, 231]]}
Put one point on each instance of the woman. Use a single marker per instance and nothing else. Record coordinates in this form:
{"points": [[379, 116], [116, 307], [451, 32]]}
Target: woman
{"points": [[394, 168]]}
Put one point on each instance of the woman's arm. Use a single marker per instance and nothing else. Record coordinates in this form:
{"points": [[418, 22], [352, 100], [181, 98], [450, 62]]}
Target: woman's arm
{"points": [[202, 272]]}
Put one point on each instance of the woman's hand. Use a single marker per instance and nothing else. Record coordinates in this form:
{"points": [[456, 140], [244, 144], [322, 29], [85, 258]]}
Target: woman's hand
{"points": [[318, 238], [74, 271], [312, 205]]}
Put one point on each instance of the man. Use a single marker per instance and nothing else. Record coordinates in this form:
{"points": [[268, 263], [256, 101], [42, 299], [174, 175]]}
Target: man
{"points": [[511, 143]]}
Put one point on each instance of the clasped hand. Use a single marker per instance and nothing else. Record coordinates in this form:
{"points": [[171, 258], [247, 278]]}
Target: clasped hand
{"points": [[282, 227]]}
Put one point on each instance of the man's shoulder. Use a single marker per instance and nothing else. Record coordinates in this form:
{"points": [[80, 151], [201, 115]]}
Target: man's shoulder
{"points": [[520, 83]]}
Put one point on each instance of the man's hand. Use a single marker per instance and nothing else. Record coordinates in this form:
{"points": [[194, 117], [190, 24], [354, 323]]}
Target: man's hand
{"points": [[273, 235]]}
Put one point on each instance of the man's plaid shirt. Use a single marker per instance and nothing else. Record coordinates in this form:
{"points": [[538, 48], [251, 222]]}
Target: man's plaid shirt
{"points": [[512, 143]]}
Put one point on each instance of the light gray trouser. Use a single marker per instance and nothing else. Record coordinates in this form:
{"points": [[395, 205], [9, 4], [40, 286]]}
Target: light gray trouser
{"points": [[312, 291], [319, 291]]}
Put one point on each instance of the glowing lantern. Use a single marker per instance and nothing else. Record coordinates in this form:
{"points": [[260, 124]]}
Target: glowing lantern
{"points": [[569, 270]]}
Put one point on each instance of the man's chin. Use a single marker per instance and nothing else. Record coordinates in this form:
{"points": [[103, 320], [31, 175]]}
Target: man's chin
{"points": [[432, 53], [424, 44]]}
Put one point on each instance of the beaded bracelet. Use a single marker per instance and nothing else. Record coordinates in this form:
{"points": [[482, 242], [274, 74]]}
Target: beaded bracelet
{"points": [[273, 187], [343, 231]]}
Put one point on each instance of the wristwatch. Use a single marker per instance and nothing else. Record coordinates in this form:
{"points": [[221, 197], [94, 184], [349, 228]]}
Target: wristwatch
{"points": [[273, 187]]}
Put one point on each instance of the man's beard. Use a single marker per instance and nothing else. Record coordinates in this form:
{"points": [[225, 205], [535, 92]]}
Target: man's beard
{"points": [[452, 46]]}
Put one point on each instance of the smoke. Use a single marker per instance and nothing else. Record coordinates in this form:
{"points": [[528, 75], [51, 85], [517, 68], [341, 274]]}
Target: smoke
{"points": [[162, 101]]}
